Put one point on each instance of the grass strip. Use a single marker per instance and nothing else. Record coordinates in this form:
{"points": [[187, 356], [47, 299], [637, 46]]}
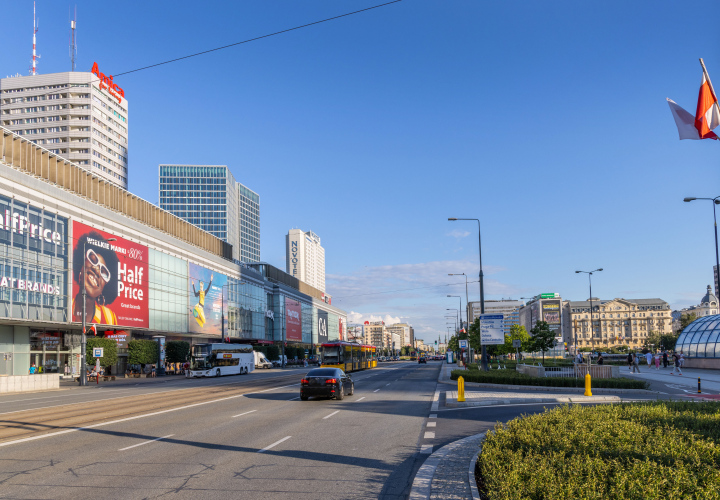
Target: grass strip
{"points": [[511, 377]]}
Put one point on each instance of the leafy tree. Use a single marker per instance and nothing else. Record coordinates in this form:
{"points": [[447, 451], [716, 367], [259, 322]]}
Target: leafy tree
{"points": [[177, 351], [143, 352], [661, 341], [543, 338], [272, 352], [109, 351], [686, 319]]}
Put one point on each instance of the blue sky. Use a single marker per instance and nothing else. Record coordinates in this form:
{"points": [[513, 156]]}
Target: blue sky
{"points": [[546, 120]]}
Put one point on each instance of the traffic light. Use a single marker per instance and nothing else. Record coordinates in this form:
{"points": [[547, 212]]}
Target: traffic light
{"points": [[436, 342]]}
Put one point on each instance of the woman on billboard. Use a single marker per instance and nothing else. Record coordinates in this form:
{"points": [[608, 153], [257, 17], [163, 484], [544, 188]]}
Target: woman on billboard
{"points": [[92, 266], [199, 309]]}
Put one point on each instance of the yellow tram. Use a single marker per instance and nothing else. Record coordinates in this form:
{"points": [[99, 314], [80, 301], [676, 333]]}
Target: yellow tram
{"points": [[348, 356]]}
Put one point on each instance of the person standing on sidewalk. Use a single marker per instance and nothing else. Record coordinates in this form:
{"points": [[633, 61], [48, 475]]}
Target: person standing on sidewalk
{"points": [[665, 359], [648, 358], [630, 361], [636, 363], [657, 360]]}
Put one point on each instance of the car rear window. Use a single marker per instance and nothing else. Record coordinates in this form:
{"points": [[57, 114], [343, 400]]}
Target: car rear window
{"points": [[321, 372]]}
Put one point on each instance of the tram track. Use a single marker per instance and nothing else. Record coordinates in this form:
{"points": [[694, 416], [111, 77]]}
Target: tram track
{"points": [[31, 423]]}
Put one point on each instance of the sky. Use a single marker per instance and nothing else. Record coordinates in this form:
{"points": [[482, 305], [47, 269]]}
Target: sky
{"points": [[545, 120]]}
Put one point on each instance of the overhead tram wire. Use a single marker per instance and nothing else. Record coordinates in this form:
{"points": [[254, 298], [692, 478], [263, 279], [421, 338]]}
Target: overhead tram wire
{"points": [[401, 290], [54, 91], [258, 38]]}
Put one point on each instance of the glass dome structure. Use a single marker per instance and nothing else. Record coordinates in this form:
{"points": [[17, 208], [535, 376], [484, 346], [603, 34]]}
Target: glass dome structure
{"points": [[701, 338]]}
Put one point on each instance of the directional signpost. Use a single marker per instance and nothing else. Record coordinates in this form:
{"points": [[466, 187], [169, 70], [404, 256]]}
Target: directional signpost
{"points": [[491, 329]]}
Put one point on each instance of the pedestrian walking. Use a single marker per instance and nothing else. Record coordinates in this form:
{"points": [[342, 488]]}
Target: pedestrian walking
{"points": [[600, 360], [648, 358], [665, 359], [682, 359], [630, 361], [676, 363], [33, 369], [657, 360], [636, 363], [152, 372]]}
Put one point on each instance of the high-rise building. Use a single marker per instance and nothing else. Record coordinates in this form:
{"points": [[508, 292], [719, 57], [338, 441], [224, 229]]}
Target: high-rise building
{"points": [[209, 197], [405, 332], [305, 257], [374, 333], [80, 116]]}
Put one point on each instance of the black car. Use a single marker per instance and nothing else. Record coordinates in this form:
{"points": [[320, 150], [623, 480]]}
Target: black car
{"points": [[328, 382], [422, 360]]}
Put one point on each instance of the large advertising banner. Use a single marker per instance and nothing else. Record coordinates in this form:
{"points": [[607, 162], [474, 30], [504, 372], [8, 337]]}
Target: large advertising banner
{"points": [[205, 300], [322, 327], [115, 276], [293, 320], [551, 315]]}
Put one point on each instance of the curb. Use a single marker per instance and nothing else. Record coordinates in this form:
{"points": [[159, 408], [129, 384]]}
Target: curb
{"points": [[422, 484], [544, 388], [492, 402]]}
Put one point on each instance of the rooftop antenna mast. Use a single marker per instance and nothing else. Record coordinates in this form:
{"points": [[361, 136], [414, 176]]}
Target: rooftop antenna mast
{"points": [[73, 45], [35, 30]]}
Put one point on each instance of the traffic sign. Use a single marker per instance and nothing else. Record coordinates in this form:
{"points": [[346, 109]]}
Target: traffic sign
{"points": [[98, 352], [549, 295], [492, 330], [463, 344], [517, 343]]}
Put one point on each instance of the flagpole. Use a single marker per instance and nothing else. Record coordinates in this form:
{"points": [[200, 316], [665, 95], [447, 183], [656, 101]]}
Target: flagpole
{"points": [[702, 63]]}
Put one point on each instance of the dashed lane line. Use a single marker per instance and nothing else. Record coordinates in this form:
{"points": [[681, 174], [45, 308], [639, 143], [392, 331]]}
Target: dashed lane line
{"points": [[274, 444], [429, 435], [358, 400], [376, 390], [243, 413], [146, 442], [432, 424], [333, 413], [426, 449]]}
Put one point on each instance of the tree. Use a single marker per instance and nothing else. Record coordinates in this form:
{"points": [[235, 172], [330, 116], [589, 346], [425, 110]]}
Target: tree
{"points": [[686, 319], [543, 338], [177, 351], [273, 352], [517, 332], [109, 351], [143, 352]]}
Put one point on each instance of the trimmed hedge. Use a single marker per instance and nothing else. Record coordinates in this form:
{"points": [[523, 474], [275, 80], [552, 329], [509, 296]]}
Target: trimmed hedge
{"points": [[511, 377], [654, 450]]}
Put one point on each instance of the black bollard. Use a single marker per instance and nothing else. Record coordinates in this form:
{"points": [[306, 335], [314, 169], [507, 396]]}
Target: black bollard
{"points": [[698, 385]]}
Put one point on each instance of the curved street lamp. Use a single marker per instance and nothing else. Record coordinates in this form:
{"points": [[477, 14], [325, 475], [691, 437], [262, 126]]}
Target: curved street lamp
{"points": [[716, 201], [592, 333]]}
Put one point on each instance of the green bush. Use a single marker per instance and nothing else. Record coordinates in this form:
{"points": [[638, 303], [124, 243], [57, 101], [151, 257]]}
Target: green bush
{"points": [[654, 450], [177, 351], [109, 351], [511, 377], [273, 353], [143, 352]]}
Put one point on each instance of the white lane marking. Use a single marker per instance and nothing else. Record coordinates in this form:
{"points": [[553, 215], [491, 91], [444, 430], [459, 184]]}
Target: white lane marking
{"points": [[243, 413], [358, 400], [376, 390], [426, 449], [429, 435], [293, 399], [433, 415], [103, 424], [274, 444], [387, 385], [436, 401], [333, 413], [145, 442], [432, 424]]}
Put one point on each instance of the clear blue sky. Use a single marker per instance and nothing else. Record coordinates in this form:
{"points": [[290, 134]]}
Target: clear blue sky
{"points": [[547, 120]]}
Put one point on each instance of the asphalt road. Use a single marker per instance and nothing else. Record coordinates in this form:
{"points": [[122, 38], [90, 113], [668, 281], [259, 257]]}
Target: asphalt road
{"points": [[261, 443]]}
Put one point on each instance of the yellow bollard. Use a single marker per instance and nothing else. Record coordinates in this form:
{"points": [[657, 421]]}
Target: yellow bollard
{"points": [[588, 392], [461, 389]]}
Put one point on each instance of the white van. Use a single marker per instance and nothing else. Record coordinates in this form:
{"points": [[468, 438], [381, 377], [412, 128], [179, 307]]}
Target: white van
{"points": [[261, 361]]}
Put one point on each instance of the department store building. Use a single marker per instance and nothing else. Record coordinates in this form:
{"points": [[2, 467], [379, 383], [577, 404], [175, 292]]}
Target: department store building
{"points": [[146, 272]]}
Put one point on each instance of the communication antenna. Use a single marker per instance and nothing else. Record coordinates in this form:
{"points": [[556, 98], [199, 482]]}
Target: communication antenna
{"points": [[35, 30], [73, 45]]}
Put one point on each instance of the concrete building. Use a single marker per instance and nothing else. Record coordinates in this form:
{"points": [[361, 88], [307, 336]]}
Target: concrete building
{"points": [[305, 257], [76, 115], [615, 322], [374, 333], [209, 197], [510, 309], [546, 307], [145, 268]]}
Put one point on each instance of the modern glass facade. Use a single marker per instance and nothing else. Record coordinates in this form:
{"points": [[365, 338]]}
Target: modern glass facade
{"points": [[701, 338], [209, 197]]}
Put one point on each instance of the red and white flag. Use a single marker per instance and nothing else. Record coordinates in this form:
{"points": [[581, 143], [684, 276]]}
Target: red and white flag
{"points": [[92, 329], [707, 114]]}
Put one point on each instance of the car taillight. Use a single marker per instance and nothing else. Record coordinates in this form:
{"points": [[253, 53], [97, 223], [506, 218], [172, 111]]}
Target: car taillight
{"points": [[304, 381], [331, 381]]}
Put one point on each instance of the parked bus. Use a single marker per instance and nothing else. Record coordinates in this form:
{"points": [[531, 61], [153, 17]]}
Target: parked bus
{"points": [[215, 360], [348, 356]]}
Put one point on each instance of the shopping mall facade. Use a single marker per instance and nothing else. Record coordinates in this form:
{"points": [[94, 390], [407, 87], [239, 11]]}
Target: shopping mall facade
{"points": [[146, 272]]}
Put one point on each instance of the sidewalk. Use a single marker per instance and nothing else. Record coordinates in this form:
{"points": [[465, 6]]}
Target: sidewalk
{"points": [[710, 379], [487, 398]]}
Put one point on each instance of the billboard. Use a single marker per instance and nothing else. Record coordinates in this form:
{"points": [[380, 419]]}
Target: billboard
{"points": [[115, 276], [205, 300], [120, 336], [322, 325], [293, 320], [551, 315], [340, 324]]}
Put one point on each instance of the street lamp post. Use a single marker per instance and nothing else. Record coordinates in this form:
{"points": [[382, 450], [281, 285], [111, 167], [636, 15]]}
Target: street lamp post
{"points": [[459, 310], [483, 357], [456, 316], [716, 201], [467, 301], [592, 333], [83, 347]]}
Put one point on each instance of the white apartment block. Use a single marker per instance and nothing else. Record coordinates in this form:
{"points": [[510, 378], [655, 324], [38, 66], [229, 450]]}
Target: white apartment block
{"points": [[405, 332], [305, 258], [80, 116]]}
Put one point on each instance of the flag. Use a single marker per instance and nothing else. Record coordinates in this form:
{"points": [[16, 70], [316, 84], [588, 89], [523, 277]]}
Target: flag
{"points": [[92, 329], [707, 114]]}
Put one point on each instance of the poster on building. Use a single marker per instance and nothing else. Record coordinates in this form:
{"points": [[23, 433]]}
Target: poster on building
{"points": [[120, 336], [205, 300], [551, 315], [114, 274], [492, 329], [293, 320], [322, 325], [340, 334]]}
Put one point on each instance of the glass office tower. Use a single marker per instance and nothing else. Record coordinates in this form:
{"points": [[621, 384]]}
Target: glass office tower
{"points": [[209, 197]]}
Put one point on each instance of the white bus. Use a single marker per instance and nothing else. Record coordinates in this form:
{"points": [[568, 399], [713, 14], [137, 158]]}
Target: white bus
{"points": [[215, 360]]}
